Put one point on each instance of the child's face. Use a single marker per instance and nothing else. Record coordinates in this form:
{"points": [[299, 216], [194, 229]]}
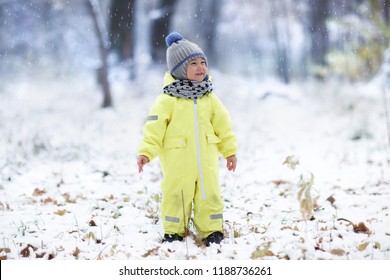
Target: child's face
{"points": [[197, 69]]}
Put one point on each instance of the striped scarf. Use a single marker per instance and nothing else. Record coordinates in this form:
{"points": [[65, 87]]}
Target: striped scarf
{"points": [[189, 89]]}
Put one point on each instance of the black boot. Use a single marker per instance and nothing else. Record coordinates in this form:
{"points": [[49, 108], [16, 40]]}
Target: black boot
{"points": [[172, 237], [215, 237]]}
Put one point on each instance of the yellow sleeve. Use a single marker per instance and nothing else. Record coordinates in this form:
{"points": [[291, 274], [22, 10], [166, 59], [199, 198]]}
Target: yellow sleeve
{"points": [[223, 128], [155, 127]]}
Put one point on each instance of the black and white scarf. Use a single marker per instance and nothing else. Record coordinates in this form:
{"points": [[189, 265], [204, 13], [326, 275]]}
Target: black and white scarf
{"points": [[189, 89]]}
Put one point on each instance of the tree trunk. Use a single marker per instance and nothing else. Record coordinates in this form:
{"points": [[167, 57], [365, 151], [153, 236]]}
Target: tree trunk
{"points": [[319, 11], [160, 29], [281, 36], [121, 28], [386, 10], [208, 12], [102, 72]]}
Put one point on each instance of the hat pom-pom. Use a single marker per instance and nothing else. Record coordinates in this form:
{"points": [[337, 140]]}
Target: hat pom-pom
{"points": [[173, 38]]}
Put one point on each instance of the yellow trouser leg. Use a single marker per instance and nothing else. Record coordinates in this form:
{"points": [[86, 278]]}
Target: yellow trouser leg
{"points": [[208, 213], [176, 206]]}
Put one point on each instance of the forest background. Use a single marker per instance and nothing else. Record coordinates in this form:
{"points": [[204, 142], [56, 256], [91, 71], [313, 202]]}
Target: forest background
{"points": [[287, 39]]}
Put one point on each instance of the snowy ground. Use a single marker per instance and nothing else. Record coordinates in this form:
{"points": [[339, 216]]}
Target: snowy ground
{"points": [[69, 187]]}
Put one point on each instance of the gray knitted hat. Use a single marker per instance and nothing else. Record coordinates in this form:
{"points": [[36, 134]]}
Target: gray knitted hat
{"points": [[179, 53]]}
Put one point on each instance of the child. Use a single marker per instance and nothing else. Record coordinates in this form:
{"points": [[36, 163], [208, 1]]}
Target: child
{"points": [[187, 127]]}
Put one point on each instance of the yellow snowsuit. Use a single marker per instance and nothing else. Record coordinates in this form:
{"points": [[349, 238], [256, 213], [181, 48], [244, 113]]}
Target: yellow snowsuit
{"points": [[188, 135]]}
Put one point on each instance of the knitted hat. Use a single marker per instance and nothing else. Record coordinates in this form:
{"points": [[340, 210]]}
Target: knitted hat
{"points": [[179, 53]]}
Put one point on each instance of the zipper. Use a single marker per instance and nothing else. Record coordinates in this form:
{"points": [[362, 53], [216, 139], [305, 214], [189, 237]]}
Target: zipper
{"points": [[196, 122]]}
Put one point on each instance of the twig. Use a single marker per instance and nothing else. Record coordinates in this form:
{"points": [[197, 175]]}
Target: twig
{"points": [[77, 225]]}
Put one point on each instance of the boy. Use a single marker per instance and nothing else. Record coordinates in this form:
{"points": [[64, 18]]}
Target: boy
{"points": [[187, 127]]}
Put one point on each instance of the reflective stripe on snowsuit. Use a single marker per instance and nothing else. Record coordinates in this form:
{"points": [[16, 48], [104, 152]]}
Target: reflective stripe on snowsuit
{"points": [[188, 136]]}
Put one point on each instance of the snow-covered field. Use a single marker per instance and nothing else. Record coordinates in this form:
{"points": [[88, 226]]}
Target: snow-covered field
{"points": [[69, 186]]}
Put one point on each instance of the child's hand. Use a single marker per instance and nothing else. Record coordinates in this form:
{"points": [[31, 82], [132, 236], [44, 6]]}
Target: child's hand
{"points": [[231, 163], [141, 161]]}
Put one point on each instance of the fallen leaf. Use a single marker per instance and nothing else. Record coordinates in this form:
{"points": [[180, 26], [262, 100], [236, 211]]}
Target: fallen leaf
{"points": [[338, 252], [262, 251], [48, 200], [68, 198], [38, 192], [5, 250], [151, 252], [26, 251], [280, 182], [90, 235], [40, 256], [60, 212], [361, 228], [285, 227], [331, 199], [363, 246], [76, 252], [291, 162]]}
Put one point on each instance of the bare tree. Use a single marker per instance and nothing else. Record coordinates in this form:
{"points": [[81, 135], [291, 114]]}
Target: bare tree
{"points": [[319, 12], [206, 22], [281, 36], [160, 29], [102, 71], [386, 10], [122, 23]]}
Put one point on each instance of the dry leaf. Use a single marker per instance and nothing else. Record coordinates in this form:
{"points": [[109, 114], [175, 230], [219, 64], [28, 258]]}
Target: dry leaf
{"points": [[363, 246], [89, 235], [38, 192], [316, 207], [92, 223], [40, 256], [304, 197], [151, 252], [48, 200], [331, 199], [5, 250], [338, 252], [26, 251], [112, 249], [361, 228], [60, 212], [262, 251], [68, 198], [76, 252], [285, 227], [280, 182], [291, 162]]}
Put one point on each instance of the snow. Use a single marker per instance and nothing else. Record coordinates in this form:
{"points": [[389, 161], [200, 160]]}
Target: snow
{"points": [[70, 188]]}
